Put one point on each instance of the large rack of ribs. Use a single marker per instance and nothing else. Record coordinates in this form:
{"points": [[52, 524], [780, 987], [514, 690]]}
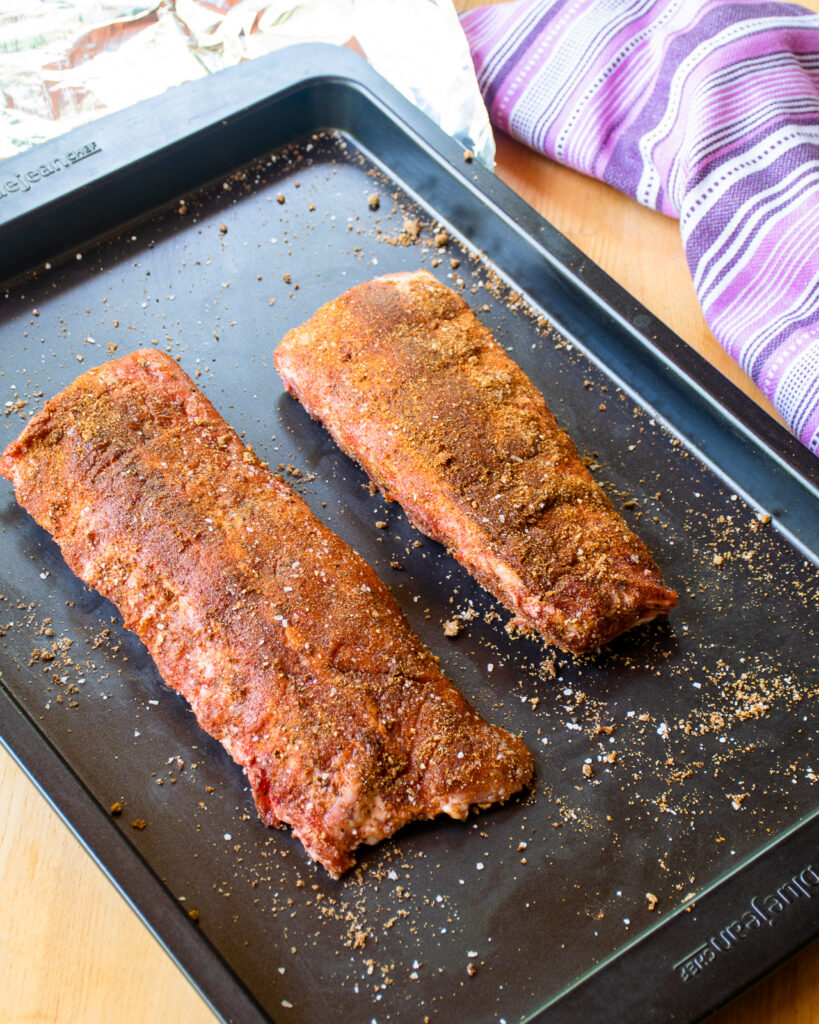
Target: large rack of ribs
{"points": [[413, 386], [284, 642]]}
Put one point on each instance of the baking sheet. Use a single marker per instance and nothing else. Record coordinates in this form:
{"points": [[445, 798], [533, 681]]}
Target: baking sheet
{"points": [[663, 764]]}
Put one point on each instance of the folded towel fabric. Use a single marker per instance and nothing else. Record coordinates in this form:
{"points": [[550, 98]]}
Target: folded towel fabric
{"points": [[707, 110]]}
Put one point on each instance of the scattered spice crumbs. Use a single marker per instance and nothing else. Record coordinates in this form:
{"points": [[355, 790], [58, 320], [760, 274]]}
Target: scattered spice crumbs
{"points": [[673, 772], [412, 228]]}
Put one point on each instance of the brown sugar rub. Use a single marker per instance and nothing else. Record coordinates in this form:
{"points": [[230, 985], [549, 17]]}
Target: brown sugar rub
{"points": [[416, 389], [287, 646]]}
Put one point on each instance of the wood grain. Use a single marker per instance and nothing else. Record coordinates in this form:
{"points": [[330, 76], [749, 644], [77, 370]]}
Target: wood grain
{"points": [[72, 951]]}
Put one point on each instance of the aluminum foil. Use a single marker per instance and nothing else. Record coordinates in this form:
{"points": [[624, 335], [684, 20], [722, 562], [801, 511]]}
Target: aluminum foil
{"points": [[65, 62]]}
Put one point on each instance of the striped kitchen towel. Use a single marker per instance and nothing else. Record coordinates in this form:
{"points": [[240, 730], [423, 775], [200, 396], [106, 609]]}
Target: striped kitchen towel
{"points": [[707, 110]]}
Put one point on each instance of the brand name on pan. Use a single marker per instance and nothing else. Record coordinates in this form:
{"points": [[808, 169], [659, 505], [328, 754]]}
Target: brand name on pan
{"points": [[792, 895], [23, 181]]}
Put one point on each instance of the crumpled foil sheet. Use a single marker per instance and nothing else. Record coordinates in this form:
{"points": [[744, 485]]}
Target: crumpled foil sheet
{"points": [[65, 62]]}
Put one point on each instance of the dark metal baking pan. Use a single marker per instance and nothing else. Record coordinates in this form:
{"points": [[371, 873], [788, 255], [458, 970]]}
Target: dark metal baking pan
{"points": [[667, 855]]}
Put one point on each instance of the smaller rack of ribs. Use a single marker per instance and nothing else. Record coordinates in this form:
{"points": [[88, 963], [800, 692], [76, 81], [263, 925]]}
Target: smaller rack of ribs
{"points": [[287, 646], [412, 385]]}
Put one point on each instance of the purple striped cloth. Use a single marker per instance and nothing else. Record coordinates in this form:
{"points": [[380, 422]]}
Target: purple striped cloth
{"points": [[707, 110]]}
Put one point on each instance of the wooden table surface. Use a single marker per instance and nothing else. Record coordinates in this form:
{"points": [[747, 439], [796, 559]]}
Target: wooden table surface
{"points": [[71, 950]]}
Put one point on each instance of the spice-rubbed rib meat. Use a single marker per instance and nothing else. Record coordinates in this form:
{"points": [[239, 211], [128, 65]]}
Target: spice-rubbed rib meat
{"points": [[413, 386], [287, 646]]}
